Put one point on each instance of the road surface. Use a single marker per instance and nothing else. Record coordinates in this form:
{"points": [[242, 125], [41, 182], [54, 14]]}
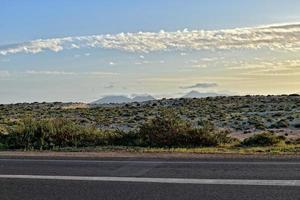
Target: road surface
{"points": [[149, 178]]}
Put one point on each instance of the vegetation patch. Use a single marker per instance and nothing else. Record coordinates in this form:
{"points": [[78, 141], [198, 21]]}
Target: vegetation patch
{"points": [[263, 139], [166, 130], [169, 130], [202, 124]]}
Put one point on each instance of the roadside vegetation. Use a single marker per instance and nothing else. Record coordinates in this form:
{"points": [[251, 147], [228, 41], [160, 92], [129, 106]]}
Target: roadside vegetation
{"points": [[163, 131], [264, 139], [166, 131], [261, 122]]}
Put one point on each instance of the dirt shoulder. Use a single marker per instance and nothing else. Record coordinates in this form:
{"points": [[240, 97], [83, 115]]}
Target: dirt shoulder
{"points": [[124, 154]]}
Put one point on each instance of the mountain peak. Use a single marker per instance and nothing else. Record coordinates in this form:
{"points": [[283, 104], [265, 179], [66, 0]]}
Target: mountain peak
{"points": [[196, 94], [118, 99], [142, 98]]}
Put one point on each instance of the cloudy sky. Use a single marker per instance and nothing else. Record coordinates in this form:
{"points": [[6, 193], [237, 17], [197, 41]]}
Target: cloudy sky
{"points": [[63, 50]]}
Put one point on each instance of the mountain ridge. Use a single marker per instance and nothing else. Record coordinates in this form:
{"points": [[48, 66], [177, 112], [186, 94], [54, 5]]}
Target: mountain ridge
{"points": [[196, 94], [119, 99]]}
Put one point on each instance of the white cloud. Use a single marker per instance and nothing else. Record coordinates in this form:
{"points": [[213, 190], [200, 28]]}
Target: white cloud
{"points": [[4, 74], [183, 54], [92, 73], [196, 63], [211, 59], [146, 62], [268, 64], [99, 73], [268, 67], [110, 86], [33, 72], [36, 46], [163, 79], [200, 85], [199, 66], [284, 37]]}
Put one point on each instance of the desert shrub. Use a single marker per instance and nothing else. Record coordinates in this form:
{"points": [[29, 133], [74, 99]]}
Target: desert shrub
{"points": [[280, 124], [168, 130], [205, 137], [295, 141], [263, 139], [2, 130], [294, 95], [121, 138], [50, 133], [297, 125], [2, 146]]}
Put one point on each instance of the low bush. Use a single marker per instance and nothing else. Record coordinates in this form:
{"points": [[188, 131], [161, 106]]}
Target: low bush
{"points": [[3, 146], [280, 124], [2, 130], [263, 139], [50, 133], [293, 141], [168, 130], [297, 125]]}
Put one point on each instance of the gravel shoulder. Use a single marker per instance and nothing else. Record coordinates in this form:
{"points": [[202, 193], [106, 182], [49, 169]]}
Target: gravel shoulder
{"points": [[163, 155]]}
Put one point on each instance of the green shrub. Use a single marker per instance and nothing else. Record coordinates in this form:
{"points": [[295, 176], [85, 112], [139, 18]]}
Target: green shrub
{"points": [[280, 124], [297, 125], [2, 130], [293, 141], [2, 146], [168, 130], [50, 133], [121, 138], [263, 139]]}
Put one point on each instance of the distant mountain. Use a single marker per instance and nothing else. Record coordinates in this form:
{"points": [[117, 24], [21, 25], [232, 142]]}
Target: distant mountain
{"points": [[118, 99], [112, 99], [196, 94], [143, 98]]}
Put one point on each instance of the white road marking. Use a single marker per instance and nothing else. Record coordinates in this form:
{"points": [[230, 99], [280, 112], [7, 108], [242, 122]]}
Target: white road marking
{"points": [[154, 162], [161, 180]]}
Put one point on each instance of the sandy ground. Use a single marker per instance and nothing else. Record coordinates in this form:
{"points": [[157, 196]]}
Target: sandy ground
{"points": [[138, 155], [289, 133]]}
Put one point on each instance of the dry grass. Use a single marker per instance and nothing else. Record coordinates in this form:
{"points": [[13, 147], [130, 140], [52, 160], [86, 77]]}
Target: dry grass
{"points": [[282, 149]]}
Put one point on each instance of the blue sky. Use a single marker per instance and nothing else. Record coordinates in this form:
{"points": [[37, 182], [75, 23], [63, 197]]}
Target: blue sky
{"points": [[32, 19], [42, 58]]}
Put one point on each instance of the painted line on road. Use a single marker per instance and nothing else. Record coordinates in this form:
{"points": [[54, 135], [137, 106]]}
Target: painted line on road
{"points": [[161, 180], [154, 162]]}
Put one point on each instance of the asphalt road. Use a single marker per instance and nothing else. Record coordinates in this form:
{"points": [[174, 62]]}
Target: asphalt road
{"points": [[146, 178]]}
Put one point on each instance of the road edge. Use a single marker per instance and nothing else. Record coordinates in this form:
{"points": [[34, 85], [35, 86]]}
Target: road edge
{"points": [[116, 154]]}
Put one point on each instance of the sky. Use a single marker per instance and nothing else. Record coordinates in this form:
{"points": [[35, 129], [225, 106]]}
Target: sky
{"points": [[64, 50]]}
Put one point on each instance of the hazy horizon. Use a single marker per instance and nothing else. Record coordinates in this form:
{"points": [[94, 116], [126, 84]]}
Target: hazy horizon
{"points": [[78, 51]]}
